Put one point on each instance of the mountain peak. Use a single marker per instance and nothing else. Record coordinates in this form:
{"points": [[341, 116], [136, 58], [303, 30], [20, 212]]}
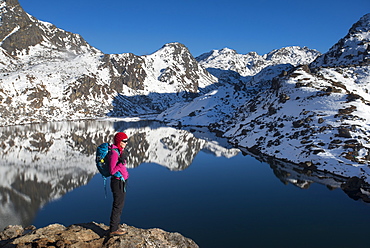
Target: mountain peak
{"points": [[294, 55], [50, 74], [251, 63], [227, 50], [173, 47], [363, 25], [352, 50], [21, 32]]}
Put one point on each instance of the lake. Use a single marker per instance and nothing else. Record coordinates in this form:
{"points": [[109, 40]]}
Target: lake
{"points": [[186, 181]]}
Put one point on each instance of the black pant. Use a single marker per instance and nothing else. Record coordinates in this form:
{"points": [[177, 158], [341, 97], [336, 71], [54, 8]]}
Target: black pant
{"points": [[118, 189]]}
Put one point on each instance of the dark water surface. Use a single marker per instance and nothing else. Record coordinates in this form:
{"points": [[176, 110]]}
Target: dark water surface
{"points": [[228, 200], [220, 202]]}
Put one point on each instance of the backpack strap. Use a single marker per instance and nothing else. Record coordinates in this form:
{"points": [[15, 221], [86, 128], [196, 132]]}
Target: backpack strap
{"points": [[114, 149], [119, 160]]}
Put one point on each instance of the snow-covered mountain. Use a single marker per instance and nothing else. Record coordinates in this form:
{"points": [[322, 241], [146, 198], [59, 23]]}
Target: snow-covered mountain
{"points": [[314, 113], [241, 77], [49, 74], [250, 64]]}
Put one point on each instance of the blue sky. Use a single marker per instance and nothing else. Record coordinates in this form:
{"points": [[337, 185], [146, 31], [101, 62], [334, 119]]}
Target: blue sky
{"points": [[144, 26]]}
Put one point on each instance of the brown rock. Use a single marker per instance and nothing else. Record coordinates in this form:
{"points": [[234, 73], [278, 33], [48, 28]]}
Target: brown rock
{"points": [[344, 132], [91, 235], [11, 232]]}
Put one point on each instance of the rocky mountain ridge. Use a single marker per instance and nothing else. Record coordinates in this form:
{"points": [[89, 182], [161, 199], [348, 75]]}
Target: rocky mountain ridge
{"points": [[350, 51], [252, 63], [315, 115], [241, 77], [48, 74]]}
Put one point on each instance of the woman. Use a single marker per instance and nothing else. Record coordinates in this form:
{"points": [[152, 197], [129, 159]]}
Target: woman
{"points": [[117, 163]]}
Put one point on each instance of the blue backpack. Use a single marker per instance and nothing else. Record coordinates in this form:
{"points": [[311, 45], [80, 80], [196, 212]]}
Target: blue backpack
{"points": [[102, 162]]}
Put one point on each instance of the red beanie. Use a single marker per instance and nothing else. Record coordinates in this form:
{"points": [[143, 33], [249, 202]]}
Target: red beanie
{"points": [[119, 137]]}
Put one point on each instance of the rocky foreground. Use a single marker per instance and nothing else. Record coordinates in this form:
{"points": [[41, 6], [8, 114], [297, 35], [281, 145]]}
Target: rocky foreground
{"points": [[90, 235]]}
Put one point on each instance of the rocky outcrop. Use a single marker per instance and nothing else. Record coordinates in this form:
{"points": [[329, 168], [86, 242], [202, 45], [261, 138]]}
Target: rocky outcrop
{"points": [[90, 235]]}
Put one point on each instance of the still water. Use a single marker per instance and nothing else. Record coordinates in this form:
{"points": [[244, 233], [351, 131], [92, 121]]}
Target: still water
{"points": [[185, 181]]}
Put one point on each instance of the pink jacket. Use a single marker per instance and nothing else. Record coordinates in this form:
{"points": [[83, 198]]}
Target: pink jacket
{"points": [[114, 166]]}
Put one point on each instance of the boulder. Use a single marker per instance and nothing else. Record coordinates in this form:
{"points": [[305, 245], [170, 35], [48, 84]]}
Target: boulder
{"points": [[90, 235]]}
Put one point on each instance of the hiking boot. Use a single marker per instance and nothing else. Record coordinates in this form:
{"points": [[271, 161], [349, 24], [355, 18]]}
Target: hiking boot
{"points": [[118, 233]]}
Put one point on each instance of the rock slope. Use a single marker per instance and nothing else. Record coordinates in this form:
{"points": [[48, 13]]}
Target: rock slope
{"points": [[315, 115], [241, 77], [48, 74]]}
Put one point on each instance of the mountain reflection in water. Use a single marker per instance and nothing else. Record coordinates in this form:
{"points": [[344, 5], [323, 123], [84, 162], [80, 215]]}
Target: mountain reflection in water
{"points": [[40, 163]]}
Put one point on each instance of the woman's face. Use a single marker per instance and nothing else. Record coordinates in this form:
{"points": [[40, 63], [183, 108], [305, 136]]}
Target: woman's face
{"points": [[123, 144]]}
